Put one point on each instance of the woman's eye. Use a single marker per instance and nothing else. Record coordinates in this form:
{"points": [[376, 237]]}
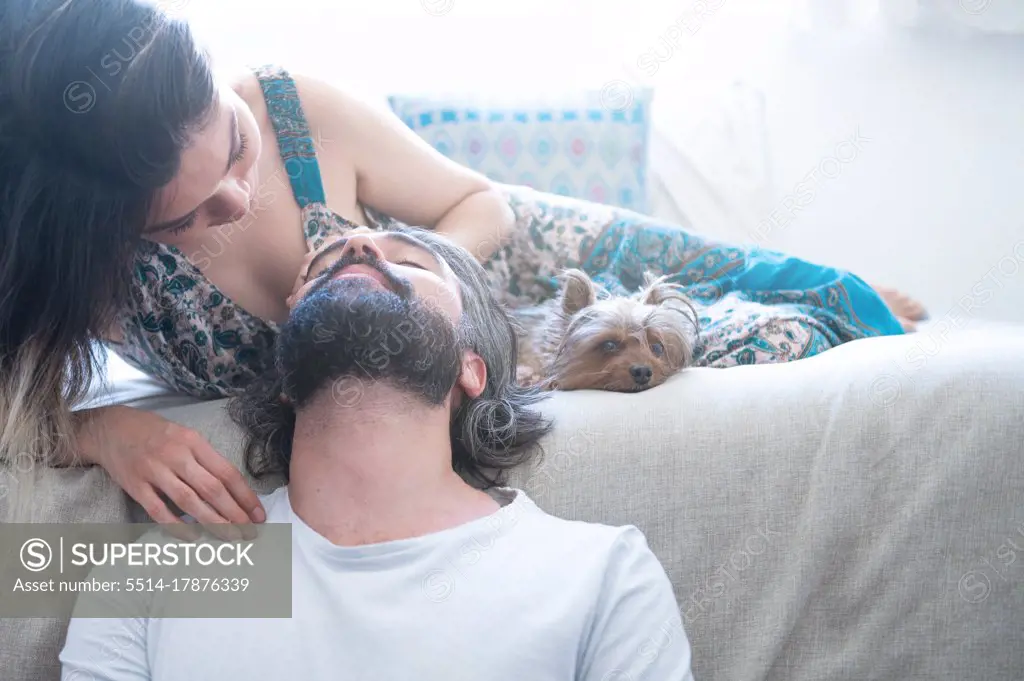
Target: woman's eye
{"points": [[658, 349], [243, 144], [185, 226], [609, 346]]}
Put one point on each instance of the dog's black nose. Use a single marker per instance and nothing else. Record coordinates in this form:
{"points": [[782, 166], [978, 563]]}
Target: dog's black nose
{"points": [[640, 373]]}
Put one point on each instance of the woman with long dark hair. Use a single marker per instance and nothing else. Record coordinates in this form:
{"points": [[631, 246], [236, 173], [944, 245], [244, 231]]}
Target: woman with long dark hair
{"points": [[149, 206], [145, 204]]}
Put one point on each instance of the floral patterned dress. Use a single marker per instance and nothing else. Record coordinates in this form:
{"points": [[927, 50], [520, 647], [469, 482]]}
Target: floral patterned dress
{"points": [[757, 306]]}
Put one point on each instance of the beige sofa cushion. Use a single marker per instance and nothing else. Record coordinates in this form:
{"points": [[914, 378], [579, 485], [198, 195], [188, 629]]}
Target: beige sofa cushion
{"points": [[845, 516]]}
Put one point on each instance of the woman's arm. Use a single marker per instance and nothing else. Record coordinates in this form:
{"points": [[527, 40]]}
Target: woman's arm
{"points": [[401, 175]]}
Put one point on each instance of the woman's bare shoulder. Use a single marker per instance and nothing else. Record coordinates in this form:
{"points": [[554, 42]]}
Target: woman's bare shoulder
{"points": [[332, 104], [317, 94], [319, 90]]}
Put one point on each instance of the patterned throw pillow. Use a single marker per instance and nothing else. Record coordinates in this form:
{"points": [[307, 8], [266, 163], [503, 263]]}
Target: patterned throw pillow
{"points": [[579, 147]]}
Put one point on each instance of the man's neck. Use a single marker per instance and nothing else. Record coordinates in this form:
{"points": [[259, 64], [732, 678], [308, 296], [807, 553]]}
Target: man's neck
{"points": [[379, 470]]}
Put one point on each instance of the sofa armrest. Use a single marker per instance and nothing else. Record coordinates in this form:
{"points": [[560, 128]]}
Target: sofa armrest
{"points": [[850, 515]]}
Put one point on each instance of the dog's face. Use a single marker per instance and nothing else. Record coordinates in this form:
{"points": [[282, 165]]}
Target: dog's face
{"points": [[620, 344]]}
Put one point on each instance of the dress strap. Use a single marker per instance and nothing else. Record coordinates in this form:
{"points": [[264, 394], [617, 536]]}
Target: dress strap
{"points": [[293, 137]]}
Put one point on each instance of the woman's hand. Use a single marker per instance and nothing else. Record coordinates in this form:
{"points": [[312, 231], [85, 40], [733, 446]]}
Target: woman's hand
{"points": [[148, 455], [304, 281]]}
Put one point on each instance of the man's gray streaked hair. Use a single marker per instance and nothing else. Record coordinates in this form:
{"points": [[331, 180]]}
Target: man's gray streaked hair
{"points": [[490, 434]]}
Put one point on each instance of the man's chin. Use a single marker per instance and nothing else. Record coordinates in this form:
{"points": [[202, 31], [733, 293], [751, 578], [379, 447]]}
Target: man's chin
{"points": [[352, 327]]}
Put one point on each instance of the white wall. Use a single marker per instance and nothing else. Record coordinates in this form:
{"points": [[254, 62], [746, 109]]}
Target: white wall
{"points": [[928, 192], [934, 202]]}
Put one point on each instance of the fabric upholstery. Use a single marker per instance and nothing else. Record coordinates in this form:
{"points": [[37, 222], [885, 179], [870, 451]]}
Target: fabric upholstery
{"points": [[848, 516]]}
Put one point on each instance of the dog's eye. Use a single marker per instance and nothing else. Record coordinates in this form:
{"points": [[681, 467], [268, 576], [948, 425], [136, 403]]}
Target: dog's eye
{"points": [[609, 346], [658, 349]]}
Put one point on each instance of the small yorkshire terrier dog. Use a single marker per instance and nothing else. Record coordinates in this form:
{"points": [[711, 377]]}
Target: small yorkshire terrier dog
{"points": [[578, 341]]}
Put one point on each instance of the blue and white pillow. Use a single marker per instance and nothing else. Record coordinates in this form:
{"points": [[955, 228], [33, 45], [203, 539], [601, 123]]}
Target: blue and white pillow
{"points": [[581, 148]]}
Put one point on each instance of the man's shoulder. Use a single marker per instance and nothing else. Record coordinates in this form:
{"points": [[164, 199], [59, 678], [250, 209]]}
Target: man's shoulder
{"points": [[276, 505], [597, 540]]}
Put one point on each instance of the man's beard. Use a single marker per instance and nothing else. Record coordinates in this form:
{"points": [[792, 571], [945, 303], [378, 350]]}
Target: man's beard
{"points": [[346, 334]]}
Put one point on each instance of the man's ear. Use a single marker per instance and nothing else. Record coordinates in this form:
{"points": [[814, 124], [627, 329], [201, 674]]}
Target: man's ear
{"points": [[577, 291], [472, 375]]}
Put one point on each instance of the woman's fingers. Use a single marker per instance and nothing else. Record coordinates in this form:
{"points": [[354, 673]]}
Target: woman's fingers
{"points": [[303, 277], [213, 492], [188, 500], [152, 456], [155, 508], [229, 492], [311, 255]]}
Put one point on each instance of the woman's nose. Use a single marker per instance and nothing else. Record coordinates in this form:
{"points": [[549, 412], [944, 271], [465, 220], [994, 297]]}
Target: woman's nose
{"points": [[361, 246], [231, 202]]}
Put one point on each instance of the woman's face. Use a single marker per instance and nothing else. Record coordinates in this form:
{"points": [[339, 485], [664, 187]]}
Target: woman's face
{"points": [[217, 179]]}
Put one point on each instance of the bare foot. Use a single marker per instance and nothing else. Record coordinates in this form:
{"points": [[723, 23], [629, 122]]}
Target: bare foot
{"points": [[908, 326], [907, 310]]}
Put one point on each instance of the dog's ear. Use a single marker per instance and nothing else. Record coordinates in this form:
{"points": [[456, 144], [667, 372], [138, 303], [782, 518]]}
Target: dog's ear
{"points": [[660, 292], [577, 291], [656, 290]]}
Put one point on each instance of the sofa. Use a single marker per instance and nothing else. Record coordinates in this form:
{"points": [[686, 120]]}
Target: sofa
{"points": [[854, 515]]}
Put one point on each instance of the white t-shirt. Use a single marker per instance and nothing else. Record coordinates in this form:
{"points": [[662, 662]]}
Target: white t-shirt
{"points": [[516, 595]]}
